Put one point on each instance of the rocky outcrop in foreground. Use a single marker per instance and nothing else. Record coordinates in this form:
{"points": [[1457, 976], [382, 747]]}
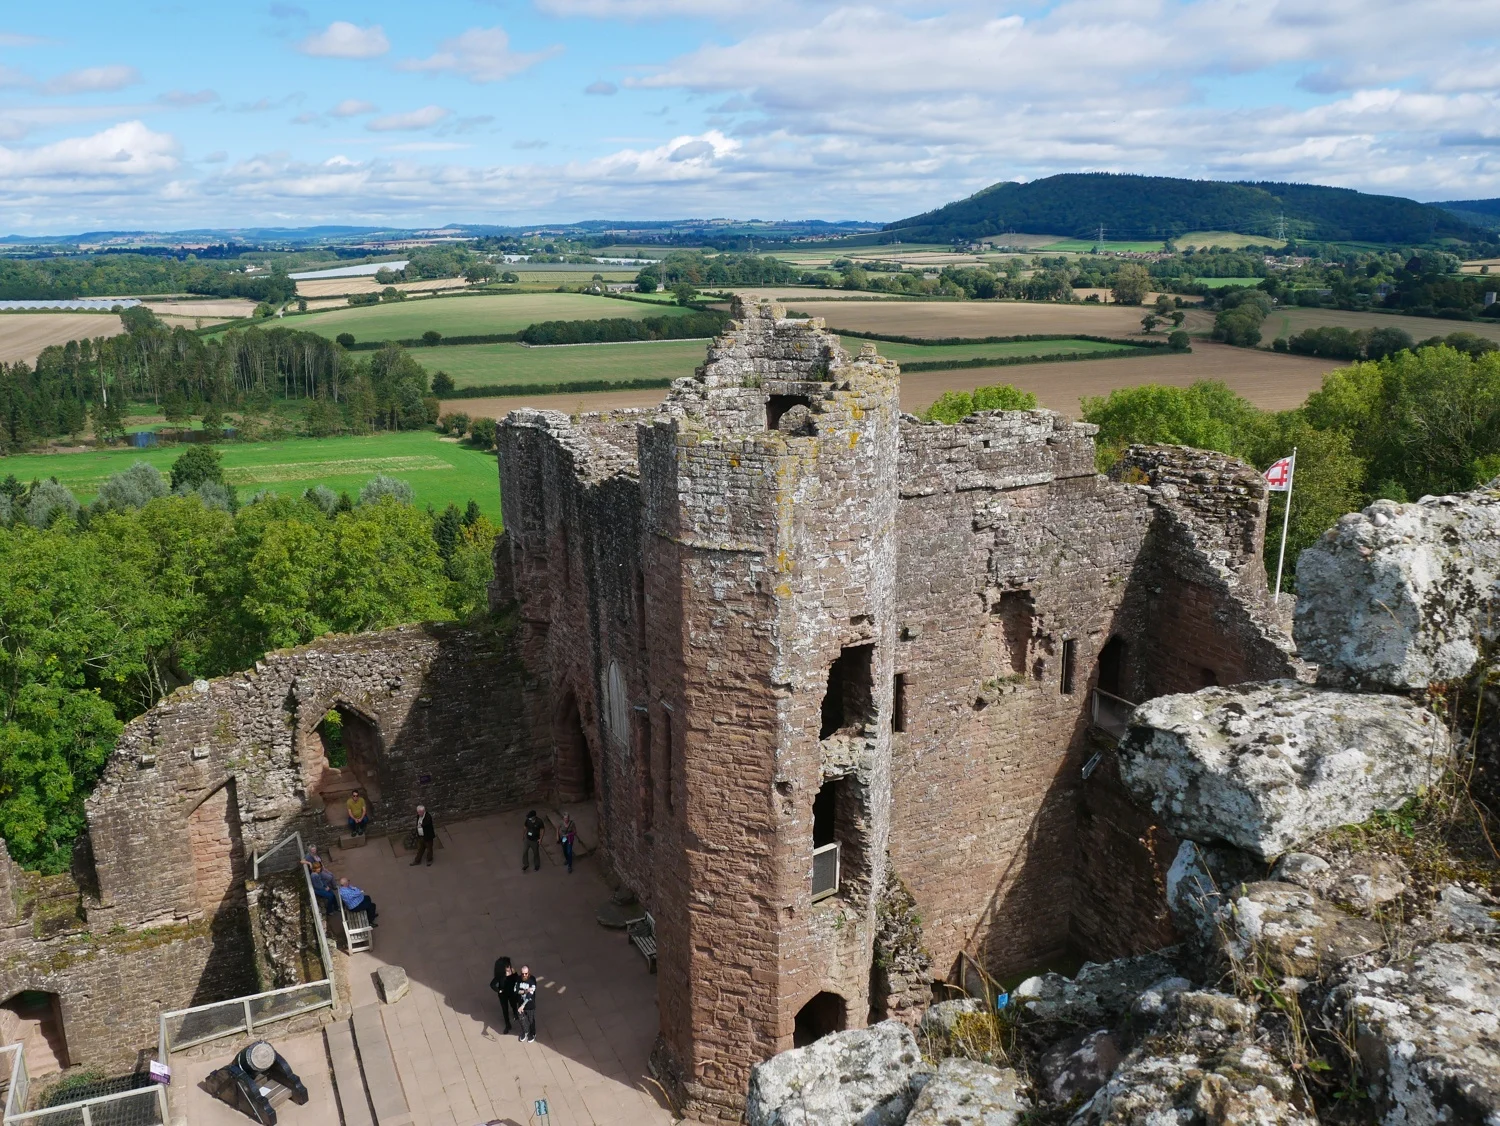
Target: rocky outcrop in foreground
{"points": [[1266, 767]]}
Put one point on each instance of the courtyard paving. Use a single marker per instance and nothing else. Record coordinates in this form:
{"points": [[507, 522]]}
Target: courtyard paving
{"points": [[446, 924]]}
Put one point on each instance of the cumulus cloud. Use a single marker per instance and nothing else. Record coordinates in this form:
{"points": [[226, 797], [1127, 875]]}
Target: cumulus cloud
{"points": [[480, 54], [344, 40], [93, 80], [602, 88], [423, 118], [129, 149], [352, 107]]}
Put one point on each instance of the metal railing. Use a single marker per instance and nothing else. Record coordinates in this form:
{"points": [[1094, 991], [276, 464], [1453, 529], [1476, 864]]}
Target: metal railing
{"points": [[18, 1083], [1111, 713], [825, 871], [184, 1028], [143, 1106]]}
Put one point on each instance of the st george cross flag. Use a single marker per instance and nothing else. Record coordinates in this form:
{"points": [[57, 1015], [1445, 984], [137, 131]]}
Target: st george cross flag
{"points": [[1279, 476]]}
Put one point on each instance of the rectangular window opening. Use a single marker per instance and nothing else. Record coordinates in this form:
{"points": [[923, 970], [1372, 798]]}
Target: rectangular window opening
{"points": [[1015, 614], [848, 702], [1069, 659], [898, 703]]}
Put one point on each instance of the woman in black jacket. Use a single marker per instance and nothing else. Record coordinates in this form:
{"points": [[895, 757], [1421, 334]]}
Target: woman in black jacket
{"points": [[504, 985]]}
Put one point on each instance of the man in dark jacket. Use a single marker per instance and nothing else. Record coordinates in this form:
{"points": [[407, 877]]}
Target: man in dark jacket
{"points": [[504, 985], [531, 853], [426, 835]]}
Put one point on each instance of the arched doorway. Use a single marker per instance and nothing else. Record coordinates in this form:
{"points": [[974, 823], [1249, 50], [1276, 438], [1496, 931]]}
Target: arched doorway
{"points": [[825, 1013], [1112, 666], [575, 765], [351, 747], [35, 1018]]}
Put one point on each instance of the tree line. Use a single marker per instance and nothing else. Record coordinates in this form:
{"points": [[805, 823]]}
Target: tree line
{"points": [[106, 608], [106, 275]]}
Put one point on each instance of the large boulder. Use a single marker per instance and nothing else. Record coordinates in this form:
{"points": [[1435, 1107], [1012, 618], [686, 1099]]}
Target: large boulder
{"points": [[1100, 993], [1427, 1030], [865, 1077], [1402, 595], [966, 1093], [1292, 931], [1265, 767], [1202, 1065], [1077, 1067]]}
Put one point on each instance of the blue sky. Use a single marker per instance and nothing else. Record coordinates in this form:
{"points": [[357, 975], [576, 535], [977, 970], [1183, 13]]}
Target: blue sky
{"points": [[169, 116]]}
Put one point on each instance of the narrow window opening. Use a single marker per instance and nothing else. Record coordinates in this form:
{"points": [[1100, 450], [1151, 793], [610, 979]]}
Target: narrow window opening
{"points": [[1112, 666], [1069, 658], [643, 751], [848, 700], [898, 703]]}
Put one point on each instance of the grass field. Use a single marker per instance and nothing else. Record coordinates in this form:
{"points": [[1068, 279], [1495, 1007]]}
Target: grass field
{"points": [[439, 471], [1231, 239], [1288, 321], [469, 316], [1086, 246], [1220, 283], [480, 365]]}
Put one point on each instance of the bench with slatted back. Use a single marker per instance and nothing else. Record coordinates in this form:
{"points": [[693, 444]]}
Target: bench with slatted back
{"points": [[357, 930], [642, 932]]}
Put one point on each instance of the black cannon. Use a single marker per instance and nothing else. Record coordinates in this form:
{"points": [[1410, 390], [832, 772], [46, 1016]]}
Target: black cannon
{"points": [[257, 1081]]}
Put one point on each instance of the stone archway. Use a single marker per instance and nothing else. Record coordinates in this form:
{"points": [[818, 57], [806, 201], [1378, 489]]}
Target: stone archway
{"points": [[825, 1013], [35, 1018], [343, 752], [575, 762]]}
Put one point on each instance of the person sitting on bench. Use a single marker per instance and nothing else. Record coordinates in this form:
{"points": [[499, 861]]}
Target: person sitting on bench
{"points": [[325, 887], [356, 900], [359, 814]]}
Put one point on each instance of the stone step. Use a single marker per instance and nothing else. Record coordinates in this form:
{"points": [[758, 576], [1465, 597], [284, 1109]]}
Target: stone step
{"points": [[348, 1080], [387, 1098]]}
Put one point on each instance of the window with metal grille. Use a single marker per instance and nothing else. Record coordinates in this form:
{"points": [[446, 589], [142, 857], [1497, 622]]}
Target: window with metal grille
{"points": [[825, 878]]}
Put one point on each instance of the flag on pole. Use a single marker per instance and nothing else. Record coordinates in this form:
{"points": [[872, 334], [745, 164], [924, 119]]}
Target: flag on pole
{"points": [[1279, 476]]}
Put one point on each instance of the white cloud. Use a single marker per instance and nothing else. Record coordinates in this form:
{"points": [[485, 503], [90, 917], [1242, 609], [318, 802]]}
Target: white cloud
{"points": [[480, 54], [185, 98], [10, 77], [127, 150], [344, 40], [423, 118], [602, 88], [93, 80], [644, 9], [11, 39], [352, 107]]}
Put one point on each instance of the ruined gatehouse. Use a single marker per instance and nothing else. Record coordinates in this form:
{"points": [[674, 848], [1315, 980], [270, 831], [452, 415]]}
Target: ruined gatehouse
{"points": [[843, 686]]}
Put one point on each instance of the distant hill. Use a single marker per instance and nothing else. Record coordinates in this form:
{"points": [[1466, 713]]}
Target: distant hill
{"points": [[1074, 205], [1480, 212]]}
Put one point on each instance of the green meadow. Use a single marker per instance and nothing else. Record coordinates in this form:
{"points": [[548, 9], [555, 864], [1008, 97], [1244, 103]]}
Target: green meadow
{"points": [[439, 470], [494, 365]]}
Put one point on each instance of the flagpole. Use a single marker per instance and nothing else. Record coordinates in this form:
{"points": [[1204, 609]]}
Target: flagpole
{"points": [[1286, 519]]}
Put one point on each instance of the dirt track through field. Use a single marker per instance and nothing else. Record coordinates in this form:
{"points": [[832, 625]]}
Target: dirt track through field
{"points": [[1270, 381], [24, 335]]}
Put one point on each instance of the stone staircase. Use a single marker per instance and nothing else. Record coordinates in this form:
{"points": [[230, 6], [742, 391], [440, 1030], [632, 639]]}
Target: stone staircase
{"points": [[364, 1071]]}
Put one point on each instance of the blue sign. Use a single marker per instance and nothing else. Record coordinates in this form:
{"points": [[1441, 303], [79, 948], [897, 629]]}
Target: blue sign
{"points": [[1001, 1001], [541, 1108]]}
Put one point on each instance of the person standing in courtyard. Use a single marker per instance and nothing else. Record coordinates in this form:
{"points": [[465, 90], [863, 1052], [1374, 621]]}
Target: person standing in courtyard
{"points": [[526, 1005], [504, 984], [531, 852], [567, 834], [426, 836]]}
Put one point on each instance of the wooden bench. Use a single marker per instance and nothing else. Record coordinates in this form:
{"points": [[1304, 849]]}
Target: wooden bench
{"points": [[357, 929], [642, 933]]}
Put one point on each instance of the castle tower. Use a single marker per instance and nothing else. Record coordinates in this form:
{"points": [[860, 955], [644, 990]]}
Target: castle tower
{"points": [[769, 494]]}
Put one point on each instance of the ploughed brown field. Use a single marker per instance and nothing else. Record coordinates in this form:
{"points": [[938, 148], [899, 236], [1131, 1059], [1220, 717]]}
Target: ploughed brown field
{"points": [[24, 335], [933, 319], [1269, 380], [339, 287]]}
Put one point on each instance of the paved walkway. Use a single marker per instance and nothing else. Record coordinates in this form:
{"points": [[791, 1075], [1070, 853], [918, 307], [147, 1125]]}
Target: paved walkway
{"points": [[446, 925]]}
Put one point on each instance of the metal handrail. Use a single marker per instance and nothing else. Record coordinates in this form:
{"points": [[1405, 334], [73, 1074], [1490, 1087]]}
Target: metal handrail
{"points": [[17, 1075], [1119, 725], [84, 1105], [1117, 699]]}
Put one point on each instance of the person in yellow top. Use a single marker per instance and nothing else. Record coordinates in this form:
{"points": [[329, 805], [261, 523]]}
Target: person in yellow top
{"points": [[359, 814]]}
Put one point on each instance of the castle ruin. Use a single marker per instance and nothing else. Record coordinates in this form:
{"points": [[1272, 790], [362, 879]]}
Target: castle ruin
{"points": [[823, 668]]}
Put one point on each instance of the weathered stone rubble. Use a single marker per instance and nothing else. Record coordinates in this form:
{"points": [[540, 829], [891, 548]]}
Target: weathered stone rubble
{"points": [[1361, 882], [965, 1093], [868, 1077], [1290, 930], [1402, 595], [1266, 767], [1203, 1064], [1427, 1030], [1099, 994]]}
